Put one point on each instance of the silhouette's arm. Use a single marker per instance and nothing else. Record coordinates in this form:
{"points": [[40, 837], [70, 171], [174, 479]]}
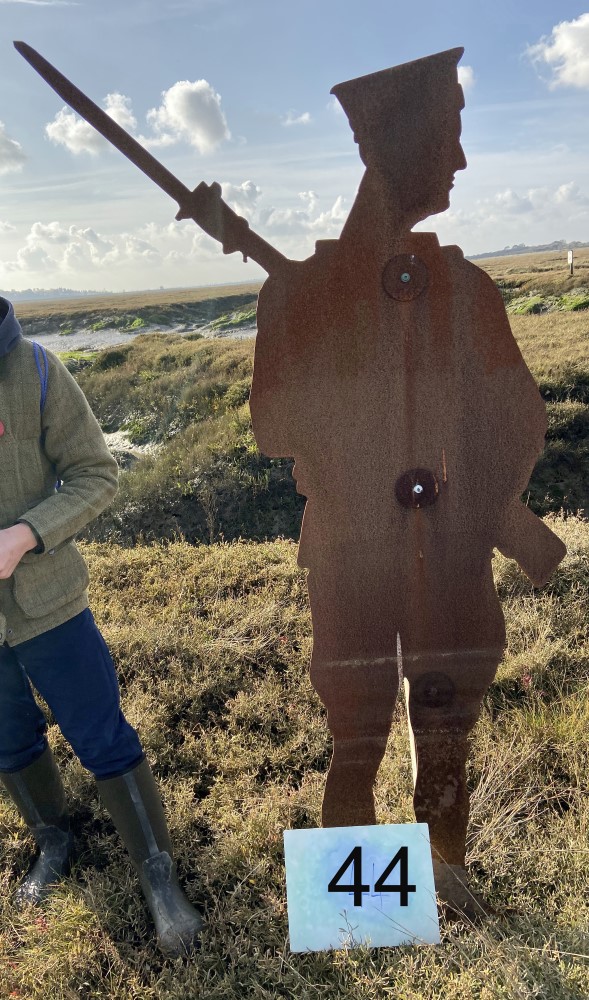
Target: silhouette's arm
{"points": [[523, 536]]}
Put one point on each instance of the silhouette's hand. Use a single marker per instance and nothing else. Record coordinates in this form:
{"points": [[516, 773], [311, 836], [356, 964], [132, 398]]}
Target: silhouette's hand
{"points": [[210, 212], [205, 203], [206, 207]]}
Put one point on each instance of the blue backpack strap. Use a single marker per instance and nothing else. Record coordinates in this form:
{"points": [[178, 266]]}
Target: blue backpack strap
{"points": [[43, 369]]}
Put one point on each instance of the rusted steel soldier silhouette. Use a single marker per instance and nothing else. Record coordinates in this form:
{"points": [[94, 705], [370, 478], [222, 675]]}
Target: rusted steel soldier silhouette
{"points": [[386, 366]]}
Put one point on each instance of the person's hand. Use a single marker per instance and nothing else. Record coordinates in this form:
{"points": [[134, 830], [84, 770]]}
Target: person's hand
{"points": [[14, 542]]}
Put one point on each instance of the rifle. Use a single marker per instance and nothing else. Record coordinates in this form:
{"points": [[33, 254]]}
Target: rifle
{"points": [[525, 538], [204, 205]]}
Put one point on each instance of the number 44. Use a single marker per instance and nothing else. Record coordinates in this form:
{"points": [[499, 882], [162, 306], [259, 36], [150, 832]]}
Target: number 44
{"points": [[357, 887]]}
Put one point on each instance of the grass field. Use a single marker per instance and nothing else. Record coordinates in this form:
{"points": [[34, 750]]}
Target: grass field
{"points": [[212, 645], [215, 308], [212, 642], [532, 283], [124, 302]]}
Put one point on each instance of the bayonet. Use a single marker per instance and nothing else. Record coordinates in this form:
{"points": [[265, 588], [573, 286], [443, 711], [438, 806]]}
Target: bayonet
{"points": [[204, 205]]}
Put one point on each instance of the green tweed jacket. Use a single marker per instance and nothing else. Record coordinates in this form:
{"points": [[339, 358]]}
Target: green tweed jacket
{"points": [[48, 587]]}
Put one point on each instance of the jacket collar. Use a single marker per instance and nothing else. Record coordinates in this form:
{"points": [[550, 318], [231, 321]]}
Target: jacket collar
{"points": [[10, 331]]}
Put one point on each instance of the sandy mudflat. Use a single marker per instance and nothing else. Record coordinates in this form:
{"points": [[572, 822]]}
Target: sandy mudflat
{"points": [[90, 340]]}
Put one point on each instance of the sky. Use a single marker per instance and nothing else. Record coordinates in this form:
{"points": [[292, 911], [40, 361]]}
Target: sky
{"points": [[237, 91]]}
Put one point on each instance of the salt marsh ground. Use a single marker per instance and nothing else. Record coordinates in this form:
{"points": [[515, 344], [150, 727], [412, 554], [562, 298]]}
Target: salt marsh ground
{"points": [[196, 588]]}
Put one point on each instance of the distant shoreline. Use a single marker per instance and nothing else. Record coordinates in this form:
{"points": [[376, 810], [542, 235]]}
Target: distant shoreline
{"points": [[48, 296], [556, 247]]}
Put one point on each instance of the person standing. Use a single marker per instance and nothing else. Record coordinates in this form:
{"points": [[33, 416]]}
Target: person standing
{"points": [[56, 476]]}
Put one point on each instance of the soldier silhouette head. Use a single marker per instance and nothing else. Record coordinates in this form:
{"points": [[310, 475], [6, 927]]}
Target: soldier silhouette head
{"points": [[406, 121]]}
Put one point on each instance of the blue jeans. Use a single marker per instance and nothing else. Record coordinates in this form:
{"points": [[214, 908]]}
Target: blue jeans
{"points": [[72, 669]]}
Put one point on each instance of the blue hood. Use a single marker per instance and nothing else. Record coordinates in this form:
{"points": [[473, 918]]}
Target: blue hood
{"points": [[10, 331]]}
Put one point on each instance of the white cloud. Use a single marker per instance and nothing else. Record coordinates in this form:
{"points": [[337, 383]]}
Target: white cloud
{"points": [[466, 77], [69, 130], [7, 227], [334, 105], [329, 223], [51, 248], [292, 118], [515, 204], [542, 203], [242, 198], [189, 111], [50, 232], [306, 220], [31, 258], [310, 199], [119, 108], [89, 251], [130, 247], [566, 53], [45, 3], [12, 156], [292, 227], [56, 254], [533, 216], [570, 194]]}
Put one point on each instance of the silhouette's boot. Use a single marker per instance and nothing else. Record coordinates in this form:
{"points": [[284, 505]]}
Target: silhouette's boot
{"points": [[441, 800], [37, 792], [135, 806], [457, 897]]}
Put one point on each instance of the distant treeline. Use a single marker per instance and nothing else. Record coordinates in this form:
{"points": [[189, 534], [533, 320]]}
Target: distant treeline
{"points": [[522, 248]]}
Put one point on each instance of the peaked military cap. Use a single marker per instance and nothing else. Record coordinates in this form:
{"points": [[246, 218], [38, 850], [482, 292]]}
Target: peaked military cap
{"points": [[372, 101]]}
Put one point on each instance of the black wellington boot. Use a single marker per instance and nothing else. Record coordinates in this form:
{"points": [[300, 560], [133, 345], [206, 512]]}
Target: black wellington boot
{"points": [[38, 794], [135, 806]]}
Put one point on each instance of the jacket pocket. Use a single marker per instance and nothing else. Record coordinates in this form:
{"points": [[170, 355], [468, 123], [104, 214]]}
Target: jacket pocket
{"points": [[43, 583]]}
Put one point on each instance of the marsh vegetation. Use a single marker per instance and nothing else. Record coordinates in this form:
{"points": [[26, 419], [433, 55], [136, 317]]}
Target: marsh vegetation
{"points": [[196, 588]]}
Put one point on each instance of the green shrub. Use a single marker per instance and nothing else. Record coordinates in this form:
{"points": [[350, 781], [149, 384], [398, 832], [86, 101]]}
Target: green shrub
{"points": [[112, 358], [237, 394], [180, 380], [526, 306], [231, 321], [208, 482]]}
